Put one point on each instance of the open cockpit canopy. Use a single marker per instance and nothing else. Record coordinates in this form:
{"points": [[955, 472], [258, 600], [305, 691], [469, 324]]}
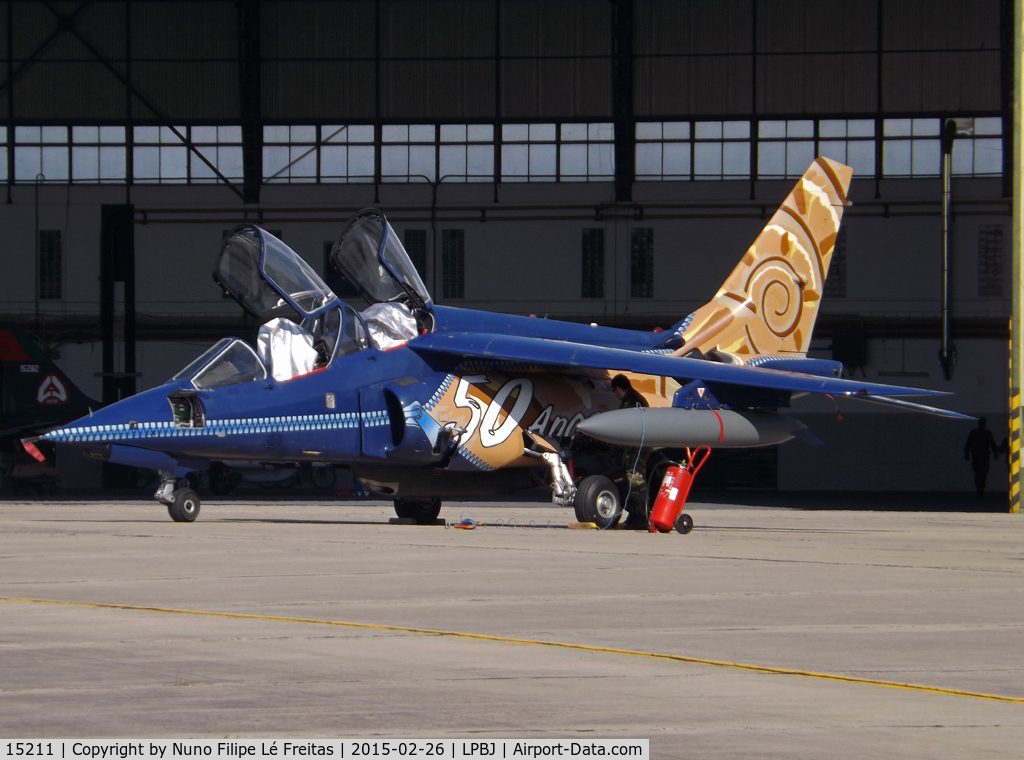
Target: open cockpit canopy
{"points": [[369, 254], [268, 278]]}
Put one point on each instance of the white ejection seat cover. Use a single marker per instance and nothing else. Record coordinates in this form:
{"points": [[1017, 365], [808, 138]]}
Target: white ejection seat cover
{"points": [[286, 349], [390, 324]]}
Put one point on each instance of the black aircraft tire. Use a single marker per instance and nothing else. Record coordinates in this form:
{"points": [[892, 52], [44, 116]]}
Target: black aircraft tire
{"points": [[423, 511], [598, 501], [185, 507], [323, 477]]}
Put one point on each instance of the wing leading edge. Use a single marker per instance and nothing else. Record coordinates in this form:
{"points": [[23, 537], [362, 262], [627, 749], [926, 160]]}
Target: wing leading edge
{"points": [[541, 351]]}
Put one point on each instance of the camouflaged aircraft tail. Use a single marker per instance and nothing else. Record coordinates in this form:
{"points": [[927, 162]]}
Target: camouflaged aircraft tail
{"points": [[769, 303]]}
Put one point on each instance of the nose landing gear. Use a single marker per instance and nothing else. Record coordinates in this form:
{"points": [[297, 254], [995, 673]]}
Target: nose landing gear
{"points": [[182, 502]]}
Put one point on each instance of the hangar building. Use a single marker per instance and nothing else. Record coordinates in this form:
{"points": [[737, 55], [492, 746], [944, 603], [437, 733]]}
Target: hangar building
{"points": [[591, 160]]}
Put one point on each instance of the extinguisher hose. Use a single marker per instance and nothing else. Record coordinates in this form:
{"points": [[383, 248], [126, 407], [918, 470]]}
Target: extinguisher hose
{"points": [[636, 463]]}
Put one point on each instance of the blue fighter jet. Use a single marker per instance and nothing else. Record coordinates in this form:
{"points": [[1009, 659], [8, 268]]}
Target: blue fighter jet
{"points": [[424, 402]]}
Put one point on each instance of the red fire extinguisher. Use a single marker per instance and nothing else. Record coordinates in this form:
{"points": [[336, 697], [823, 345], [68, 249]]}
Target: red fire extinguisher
{"points": [[675, 487]]}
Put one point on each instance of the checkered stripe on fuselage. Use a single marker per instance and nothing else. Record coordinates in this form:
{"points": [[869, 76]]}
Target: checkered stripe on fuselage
{"points": [[284, 424]]}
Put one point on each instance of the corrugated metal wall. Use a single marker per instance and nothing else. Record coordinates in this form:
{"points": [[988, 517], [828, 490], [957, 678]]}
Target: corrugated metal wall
{"points": [[556, 59], [693, 58], [184, 61], [918, 75], [318, 60], [438, 61], [819, 58]]}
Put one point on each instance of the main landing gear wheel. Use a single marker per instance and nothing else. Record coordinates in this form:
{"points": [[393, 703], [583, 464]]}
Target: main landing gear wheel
{"points": [[598, 501], [423, 511], [323, 477], [684, 524], [185, 507]]}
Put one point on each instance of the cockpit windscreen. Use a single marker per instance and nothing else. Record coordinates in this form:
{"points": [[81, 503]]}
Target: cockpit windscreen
{"points": [[238, 364], [199, 362]]}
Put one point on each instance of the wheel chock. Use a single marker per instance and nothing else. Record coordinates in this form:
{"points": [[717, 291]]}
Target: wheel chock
{"points": [[582, 526]]}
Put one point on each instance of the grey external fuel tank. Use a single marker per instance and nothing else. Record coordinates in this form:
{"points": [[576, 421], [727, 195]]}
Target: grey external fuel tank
{"points": [[675, 427]]}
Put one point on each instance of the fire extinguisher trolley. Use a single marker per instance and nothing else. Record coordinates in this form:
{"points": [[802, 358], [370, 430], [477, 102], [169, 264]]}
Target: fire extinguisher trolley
{"points": [[675, 487]]}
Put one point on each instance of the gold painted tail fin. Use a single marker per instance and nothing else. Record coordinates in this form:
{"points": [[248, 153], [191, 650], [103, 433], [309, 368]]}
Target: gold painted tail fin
{"points": [[769, 303]]}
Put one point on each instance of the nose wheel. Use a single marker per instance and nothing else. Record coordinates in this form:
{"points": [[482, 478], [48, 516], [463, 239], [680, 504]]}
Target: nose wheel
{"points": [[185, 507], [181, 501]]}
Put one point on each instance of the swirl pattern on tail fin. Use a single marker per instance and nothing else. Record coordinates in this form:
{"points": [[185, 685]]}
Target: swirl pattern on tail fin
{"points": [[769, 303]]}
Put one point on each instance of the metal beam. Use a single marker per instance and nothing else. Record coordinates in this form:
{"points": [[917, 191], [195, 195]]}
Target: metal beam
{"points": [[622, 97], [947, 351], [62, 23], [10, 99], [249, 89], [1017, 283], [67, 22]]}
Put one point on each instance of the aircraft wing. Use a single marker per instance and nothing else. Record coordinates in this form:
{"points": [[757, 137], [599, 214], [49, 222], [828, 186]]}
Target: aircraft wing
{"points": [[901, 404], [556, 353]]}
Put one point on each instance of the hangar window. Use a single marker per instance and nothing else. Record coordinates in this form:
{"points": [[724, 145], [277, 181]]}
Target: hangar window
{"points": [[41, 150], [529, 152], [664, 150], [3, 153], [721, 149], [850, 142], [346, 153], [328, 153], [222, 147], [160, 156], [980, 153], [290, 154], [784, 148], [587, 153], [558, 152], [467, 153], [911, 148], [98, 154], [408, 153]]}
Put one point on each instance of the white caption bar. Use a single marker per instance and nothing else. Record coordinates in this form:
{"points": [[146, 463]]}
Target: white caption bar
{"points": [[335, 749]]}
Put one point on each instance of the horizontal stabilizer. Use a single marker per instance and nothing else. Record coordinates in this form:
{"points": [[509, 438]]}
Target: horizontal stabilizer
{"points": [[807, 436], [912, 407], [541, 352]]}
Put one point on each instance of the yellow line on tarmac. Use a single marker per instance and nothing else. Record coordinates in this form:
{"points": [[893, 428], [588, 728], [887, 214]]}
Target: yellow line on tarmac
{"points": [[536, 642]]}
